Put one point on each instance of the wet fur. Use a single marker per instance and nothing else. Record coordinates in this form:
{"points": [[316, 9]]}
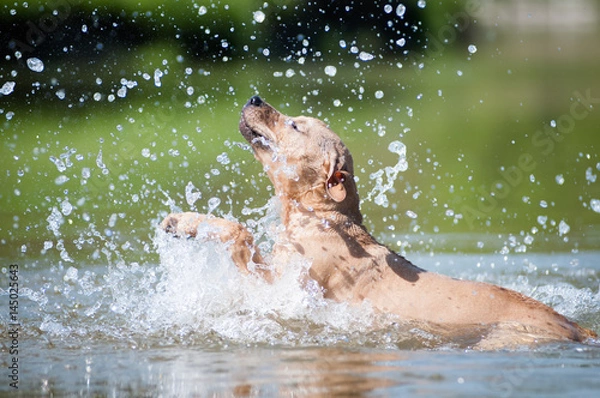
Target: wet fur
{"points": [[312, 171]]}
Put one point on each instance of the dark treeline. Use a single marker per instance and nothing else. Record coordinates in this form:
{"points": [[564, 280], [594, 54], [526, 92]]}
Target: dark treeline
{"points": [[82, 29]]}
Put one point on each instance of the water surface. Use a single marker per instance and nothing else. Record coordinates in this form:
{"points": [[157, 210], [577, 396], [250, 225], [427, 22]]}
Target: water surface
{"points": [[193, 326]]}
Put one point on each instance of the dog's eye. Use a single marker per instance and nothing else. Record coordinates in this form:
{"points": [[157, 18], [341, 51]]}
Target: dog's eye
{"points": [[292, 124]]}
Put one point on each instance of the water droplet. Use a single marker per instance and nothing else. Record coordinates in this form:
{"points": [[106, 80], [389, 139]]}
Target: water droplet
{"points": [[330, 70], [590, 176], [472, 49], [7, 88], [421, 3], [202, 10], [365, 56], [60, 165], [388, 8], [157, 75], [398, 148], [258, 16], [71, 274], [223, 159], [459, 72], [60, 180], [560, 180], [65, 207], [112, 220], [192, 194], [35, 64], [595, 205], [411, 214], [401, 42], [400, 10], [379, 94], [99, 161], [381, 200], [563, 228], [213, 203]]}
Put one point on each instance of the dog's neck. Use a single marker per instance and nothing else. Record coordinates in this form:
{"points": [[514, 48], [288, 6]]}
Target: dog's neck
{"points": [[319, 229], [311, 203]]}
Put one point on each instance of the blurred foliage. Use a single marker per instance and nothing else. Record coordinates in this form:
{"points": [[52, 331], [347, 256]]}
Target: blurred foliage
{"points": [[217, 29]]}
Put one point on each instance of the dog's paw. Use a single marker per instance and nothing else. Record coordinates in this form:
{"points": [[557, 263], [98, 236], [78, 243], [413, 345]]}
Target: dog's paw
{"points": [[182, 224]]}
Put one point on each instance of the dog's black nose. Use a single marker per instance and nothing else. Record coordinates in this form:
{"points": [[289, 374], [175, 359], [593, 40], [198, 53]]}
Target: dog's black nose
{"points": [[256, 101]]}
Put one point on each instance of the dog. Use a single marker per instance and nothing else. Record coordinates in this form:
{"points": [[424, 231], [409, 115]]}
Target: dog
{"points": [[312, 173]]}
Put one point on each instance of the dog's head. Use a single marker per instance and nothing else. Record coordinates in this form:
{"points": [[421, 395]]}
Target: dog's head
{"points": [[305, 160]]}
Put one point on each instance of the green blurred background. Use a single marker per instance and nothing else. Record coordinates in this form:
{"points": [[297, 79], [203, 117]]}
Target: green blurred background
{"points": [[497, 102]]}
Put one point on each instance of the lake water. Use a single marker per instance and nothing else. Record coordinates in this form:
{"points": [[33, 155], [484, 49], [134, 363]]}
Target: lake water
{"points": [[191, 325]]}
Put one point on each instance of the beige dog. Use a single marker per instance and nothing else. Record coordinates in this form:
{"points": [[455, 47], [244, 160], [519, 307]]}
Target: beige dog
{"points": [[312, 172]]}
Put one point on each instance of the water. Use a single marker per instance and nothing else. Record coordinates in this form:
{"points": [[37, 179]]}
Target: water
{"points": [[191, 324], [309, 371]]}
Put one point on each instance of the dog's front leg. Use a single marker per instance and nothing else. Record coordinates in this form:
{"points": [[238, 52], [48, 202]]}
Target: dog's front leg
{"points": [[240, 242]]}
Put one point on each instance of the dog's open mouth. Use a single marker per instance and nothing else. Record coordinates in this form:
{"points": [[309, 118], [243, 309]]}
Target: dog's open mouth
{"points": [[255, 139]]}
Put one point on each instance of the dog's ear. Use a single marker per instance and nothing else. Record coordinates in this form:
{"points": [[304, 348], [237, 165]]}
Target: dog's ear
{"points": [[335, 185], [338, 175]]}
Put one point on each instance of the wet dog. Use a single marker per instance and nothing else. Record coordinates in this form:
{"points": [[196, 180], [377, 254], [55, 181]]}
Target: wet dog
{"points": [[312, 172]]}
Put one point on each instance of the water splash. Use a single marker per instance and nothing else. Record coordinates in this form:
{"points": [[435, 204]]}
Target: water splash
{"points": [[196, 295], [213, 204], [192, 194], [378, 193]]}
